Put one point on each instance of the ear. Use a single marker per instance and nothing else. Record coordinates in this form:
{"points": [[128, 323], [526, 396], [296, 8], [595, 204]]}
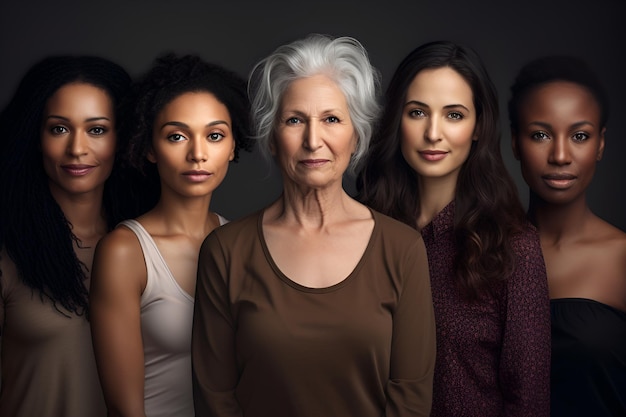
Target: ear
{"points": [[232, 152], [601, 147], [150, 156], [514, 145]]}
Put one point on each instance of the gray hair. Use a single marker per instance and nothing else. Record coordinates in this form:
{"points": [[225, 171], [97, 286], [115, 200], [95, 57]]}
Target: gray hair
{"points": [[343, 59]]}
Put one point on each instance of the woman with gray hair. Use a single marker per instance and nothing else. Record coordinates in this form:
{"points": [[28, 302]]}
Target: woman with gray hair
{"points": [[315, 305]]}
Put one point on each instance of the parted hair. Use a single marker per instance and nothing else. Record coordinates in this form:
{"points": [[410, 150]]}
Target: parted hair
{"points": [[343, 59], [553, 68], [487, 207], [33, 228], [170, 76]]}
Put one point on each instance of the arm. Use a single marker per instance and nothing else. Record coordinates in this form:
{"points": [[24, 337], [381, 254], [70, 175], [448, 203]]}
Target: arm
{"points": [[525, 355], [410, 388], [214, 365], [117, 281]]}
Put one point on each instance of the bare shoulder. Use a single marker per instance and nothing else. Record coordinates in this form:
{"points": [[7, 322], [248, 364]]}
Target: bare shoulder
{"points": [[120, 244], [610, 238], [119, 261]]}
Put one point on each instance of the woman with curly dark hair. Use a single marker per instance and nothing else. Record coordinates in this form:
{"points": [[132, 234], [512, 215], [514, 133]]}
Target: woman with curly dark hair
{"points": [[436, 165], [58, 197], [188, 120]]}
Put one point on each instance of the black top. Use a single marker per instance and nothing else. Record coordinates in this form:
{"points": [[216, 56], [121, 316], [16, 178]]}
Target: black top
{"points": [[588, 359]]}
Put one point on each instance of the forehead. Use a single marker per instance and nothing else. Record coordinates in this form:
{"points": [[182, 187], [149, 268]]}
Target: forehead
{"points": [[560, 97], [443, 85], [316, 89], [79, 98]]}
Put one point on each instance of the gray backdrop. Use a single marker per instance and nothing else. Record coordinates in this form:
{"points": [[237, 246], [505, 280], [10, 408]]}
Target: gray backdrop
{"points": [[238, 33]]}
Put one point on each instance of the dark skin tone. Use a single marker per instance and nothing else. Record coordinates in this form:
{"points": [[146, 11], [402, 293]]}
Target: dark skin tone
{"points": [[559, 141]]}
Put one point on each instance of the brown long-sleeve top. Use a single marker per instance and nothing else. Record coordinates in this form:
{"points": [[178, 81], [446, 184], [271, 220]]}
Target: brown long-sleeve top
{"points": [[493, 357], [262, 345]]}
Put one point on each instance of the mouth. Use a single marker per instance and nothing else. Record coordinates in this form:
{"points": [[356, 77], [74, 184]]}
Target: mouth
{"points": [[433, 155], [313, 163], [78, 170], [559, 181], [197, 175]]}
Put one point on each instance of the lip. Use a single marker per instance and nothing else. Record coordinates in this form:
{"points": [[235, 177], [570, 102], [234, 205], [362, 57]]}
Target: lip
{"points": [[197, 175], [313, 163], [559, 181], [433, 155], [78, 170]]}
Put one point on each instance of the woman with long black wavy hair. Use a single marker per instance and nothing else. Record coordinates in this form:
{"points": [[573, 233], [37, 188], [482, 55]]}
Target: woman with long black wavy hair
{"points": [[58, 197]]}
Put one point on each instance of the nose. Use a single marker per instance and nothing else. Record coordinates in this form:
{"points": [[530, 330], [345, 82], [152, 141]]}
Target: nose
{"points": [[198, 149], [560, 152], [77, 144], [313, 136], [432, 133]]}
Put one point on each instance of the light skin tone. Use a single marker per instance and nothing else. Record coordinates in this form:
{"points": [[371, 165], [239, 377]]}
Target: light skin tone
{"points": [[191, 147], [316, 233], [437, 130], [559, 141], [78, 142]]}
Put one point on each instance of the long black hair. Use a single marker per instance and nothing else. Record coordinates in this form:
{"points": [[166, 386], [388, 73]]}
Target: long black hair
{"points": [[34, 231]]}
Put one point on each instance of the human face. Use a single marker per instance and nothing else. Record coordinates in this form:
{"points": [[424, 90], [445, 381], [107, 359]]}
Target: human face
{"points": [[192, 145], [438, 124], [559, 141], [314, 138], [78, 139]]}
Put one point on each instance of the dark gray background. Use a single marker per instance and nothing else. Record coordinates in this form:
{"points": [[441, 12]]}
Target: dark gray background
{"points": [[238, 33]]}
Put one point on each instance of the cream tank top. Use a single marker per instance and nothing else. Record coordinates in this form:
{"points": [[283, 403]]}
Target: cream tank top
{"points": [[166, 319]]}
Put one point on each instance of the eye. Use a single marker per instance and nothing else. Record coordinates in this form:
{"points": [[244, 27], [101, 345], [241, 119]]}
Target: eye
{"points": [[332, 119], [97, 130], [580, 137], [215, 137], [176, 137], [58, 130], [455, 115], [293, 121], [539, 136], [417, 113]]}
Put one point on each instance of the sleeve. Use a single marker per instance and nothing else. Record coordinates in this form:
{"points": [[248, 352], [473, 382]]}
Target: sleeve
{"points": [[409, 390], [214, 366], [525, 356]]}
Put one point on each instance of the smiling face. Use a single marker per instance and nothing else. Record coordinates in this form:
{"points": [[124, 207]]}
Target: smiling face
{"points": [[314, 137], [559, 141], [192, 144], [438, 123], [78, 139]]}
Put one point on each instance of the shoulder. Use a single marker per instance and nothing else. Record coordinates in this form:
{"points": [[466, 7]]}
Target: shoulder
{"points": [[394, 235], [234, 233], [119, 244]]}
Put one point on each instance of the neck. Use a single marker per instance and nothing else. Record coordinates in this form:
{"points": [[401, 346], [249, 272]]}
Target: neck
{"points": [[83, 211], [188, 216], [557, 223], [435, 194], [314, 208]]}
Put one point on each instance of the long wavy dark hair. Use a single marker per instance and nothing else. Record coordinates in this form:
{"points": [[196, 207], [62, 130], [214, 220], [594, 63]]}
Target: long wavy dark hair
{"points": [[33, 229], [488, 211]]}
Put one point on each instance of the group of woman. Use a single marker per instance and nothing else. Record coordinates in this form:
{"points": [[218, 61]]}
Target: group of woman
{"points": [[430, 292]]}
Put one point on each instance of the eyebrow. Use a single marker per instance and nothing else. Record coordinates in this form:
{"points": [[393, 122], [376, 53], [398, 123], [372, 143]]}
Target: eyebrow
{"points": [[184, 125], [91, 119], [449, 106], [549, 126]]}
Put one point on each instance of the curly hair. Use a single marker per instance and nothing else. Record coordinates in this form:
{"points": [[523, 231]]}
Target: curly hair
{"points": [[169, 77], [33, 229], [488, 211], [552, 68], [343, 59]]}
